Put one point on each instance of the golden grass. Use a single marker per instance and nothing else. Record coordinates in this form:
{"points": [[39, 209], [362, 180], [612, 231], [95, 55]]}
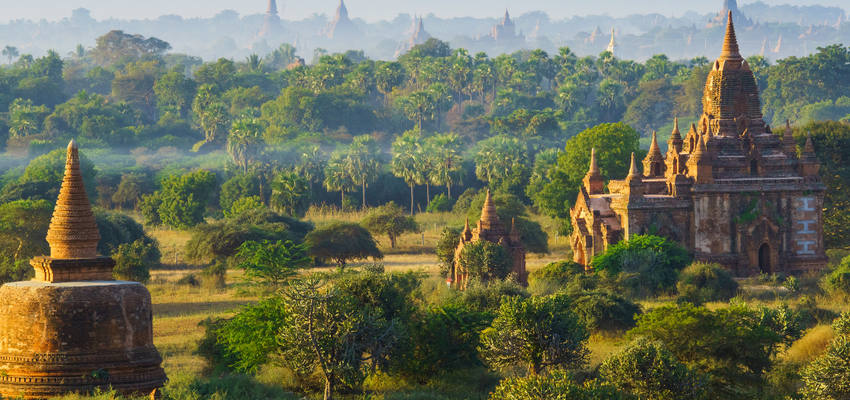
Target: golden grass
{"points": [[810, 346], [603, 346]]}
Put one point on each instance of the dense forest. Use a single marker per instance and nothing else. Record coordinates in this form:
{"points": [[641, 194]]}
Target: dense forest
{"points": [[236, 153]]}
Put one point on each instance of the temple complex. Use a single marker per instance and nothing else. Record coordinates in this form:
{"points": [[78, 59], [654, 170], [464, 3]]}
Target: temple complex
{"points": [[729, 190], [490, 228], [73, 328]]}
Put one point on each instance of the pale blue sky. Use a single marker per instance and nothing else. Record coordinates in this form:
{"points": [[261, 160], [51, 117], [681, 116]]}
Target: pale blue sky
{"points": [[369, 10]]}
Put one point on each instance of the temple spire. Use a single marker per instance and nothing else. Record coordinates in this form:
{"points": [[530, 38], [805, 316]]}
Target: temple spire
{"points": [[272, 8], [489, 217], [730, 42], [73, 232], [633, 170], [676, 134], [594, 167], [788, 140], [653, 146]]}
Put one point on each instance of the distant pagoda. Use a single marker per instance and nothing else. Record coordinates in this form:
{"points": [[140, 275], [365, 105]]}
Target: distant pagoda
{"points": [[74, 328], [271, 22], [342, 27], [730, 6], [418, 36], [505, 31]]}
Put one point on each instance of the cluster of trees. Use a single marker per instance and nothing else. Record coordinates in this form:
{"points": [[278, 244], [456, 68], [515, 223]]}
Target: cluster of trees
{"points": [[435, 117], [333, 330]]}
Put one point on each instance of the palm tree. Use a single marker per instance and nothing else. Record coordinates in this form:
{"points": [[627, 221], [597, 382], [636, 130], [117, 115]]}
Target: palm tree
{"points": [[336, 176], [255, 64], [10, 52], [445, 149], [362, 163], [407, 160], [497, 158], [311, 165], [244, 141]]}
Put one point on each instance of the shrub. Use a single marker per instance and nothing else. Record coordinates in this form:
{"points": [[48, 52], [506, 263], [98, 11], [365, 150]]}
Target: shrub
{"points": [[555, 386], [244, 205], [600, 311], [647, 370], [485, 260], [446, 246], [537, 332], [702, 282], [342, 242], [734, 345], [488, 296], [271, 263], [440, 203], [133, 261], [810, 346], [644, 265], [444, 338], [837, 282], [828, 377]]}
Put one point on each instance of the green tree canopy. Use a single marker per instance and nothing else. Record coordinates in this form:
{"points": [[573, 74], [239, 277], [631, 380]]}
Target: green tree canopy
{"points": [[342, 242]]}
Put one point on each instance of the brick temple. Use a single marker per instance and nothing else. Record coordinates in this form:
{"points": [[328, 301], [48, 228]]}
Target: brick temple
{"points": [[74, 328], [730, 191], [490, 228]]}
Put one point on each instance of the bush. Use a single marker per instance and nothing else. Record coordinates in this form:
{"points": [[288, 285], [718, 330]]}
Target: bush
{"points": [[485, 260], [828, 377], [536, 332], [555, 386], [488, 296], [644, 265], [342, 242], [133, 261], [602, 311], [446, 246], [244, 205], [561, 272], [701, 282], [647, 370], [837, 282], [440, 203]]}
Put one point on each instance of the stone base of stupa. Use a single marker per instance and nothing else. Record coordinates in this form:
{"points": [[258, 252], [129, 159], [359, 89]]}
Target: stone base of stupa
{"points": [[59, 338]]}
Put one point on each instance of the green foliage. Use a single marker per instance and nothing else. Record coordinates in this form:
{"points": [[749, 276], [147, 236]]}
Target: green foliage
{"points": [[342, 242], [133, 261], [47, 171], [271, 263], [182, 200], [837, 281], [485, 260], [644, 264], [445, 249], [23, 224], [130, 190], [559, 272], [291, 193], [220, 240], [537, 332], [444, 338], [647, 370], [117, 229], [831, 140], [238, 186], [701, 282], [556, 385], [488, 296], [828, 376], [613, 143], [440, 203], [244, 205], [502, 163], [601, 311], [733, 345], [389, 219]]}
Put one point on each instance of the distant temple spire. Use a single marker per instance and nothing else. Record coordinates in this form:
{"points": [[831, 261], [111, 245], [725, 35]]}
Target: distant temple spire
{"points": [[272, 9], [612, 45]]}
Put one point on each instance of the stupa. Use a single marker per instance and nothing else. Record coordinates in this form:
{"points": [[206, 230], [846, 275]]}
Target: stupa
{"points": [[73, 328]]}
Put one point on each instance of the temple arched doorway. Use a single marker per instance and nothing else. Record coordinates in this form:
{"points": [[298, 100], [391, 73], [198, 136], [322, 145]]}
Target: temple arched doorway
{"points": [[764, 259]]}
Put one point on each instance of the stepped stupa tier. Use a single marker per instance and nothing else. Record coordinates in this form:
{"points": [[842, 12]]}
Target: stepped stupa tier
{"points": [[73, 328]]}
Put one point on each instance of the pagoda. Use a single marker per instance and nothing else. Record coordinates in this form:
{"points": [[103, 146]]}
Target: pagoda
{"points": [[73, 328], [491, 229], [729, 190]]}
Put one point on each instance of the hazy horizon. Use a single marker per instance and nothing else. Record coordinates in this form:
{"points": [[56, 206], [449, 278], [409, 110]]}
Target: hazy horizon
{"points": [[369, 10]]}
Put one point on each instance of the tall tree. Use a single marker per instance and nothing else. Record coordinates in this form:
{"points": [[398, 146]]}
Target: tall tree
{"points": [[245, 141], [362, 163], [445, 151], [10, 52], [407, 160]]}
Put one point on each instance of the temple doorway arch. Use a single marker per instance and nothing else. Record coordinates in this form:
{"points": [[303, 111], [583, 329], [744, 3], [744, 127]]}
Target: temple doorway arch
{"points": [[764, 259]]}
